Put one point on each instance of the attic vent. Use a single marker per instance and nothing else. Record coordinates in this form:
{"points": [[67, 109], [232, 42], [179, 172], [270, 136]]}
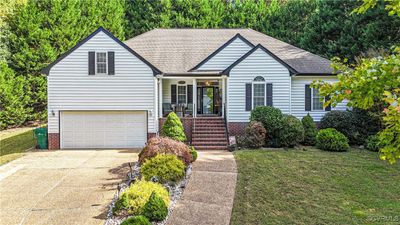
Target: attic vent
{"points": [[181, 82]]}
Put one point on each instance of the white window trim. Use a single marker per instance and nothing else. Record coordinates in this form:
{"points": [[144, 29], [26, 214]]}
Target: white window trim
{"points": [[312, 102], [177, 93], [96, 73], [252, 92]]}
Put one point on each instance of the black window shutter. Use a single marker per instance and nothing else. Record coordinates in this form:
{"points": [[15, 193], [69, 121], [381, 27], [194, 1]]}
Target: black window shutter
{"points": [[328, 108], [111, 63], [308, 97], [269, 95], [248, 97], [92, 63], [190, 94], [173, 94]]}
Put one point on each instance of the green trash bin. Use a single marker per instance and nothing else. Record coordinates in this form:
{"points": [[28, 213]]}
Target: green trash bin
{"points": [[41, 137]]}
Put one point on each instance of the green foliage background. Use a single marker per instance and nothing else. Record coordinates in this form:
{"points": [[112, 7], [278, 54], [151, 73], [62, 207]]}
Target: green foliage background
{"points": [[34, 33]]}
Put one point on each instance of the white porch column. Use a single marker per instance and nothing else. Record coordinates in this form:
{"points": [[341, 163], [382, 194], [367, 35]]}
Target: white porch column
{"points": [[160, 97], [194, 97], [223, 95]]}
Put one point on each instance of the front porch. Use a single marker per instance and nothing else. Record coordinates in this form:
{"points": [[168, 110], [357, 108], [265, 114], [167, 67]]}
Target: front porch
{"points": [[191, 97]]}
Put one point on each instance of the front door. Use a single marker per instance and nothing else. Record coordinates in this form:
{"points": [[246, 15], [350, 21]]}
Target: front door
{"points": [[207, 100]]}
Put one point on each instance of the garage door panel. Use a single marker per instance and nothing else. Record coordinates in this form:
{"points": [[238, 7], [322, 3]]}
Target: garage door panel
{"points": [[103, 129]]}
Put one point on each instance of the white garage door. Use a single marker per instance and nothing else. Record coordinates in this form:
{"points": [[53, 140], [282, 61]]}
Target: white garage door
{"points": [[103, 129]]}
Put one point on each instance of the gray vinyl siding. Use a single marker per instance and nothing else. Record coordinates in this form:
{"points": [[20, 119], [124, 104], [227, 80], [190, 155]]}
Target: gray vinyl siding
{"points": [[298, 97], [71, 88], [226, 56], [259, 63]]}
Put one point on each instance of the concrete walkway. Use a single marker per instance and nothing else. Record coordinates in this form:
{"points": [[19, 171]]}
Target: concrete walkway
{"points": [[208, 198], [61, 187]]}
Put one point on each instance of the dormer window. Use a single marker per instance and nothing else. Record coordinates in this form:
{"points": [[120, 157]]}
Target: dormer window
{"points": [[101, 62]]}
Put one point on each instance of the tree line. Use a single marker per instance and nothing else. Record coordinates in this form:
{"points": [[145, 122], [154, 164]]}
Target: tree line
{"points": [[35, 32]]}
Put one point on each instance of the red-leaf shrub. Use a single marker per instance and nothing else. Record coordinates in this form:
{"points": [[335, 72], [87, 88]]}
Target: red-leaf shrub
{"points": [[165, 145]]}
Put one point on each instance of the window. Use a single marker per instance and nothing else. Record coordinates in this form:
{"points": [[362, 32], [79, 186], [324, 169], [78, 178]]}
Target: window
{"points": [[181, 94], [101, 62], [258, 92], [317, 101]]}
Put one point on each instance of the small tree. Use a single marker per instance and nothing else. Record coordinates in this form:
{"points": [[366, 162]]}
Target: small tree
{"points": [[310, 130], [173, 128]]}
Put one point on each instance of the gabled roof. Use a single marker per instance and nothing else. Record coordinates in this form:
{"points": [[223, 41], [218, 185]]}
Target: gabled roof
{"points": [[100, 29], [227, 70], [180, 50], [237, 36]]}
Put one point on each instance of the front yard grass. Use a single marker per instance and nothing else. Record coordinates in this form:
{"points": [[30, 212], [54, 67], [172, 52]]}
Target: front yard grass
{"points": [[14, 146], [315, 187]]}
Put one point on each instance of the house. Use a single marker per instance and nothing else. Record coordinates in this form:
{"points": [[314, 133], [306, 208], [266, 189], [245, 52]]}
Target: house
{"points": [[104, 93]]}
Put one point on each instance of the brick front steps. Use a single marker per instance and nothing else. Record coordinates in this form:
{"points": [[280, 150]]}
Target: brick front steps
{"points": [[209, 134]]}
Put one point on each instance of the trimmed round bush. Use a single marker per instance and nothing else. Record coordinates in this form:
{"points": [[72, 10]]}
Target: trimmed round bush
{"points": [[310, 130], [332, 140], [136, 220], [254, 136], [173, 128], [193, 152], [165, 168], [164, 145], [155, 209], [271, 119], [133, 199], [291, 132], [372, 143]]}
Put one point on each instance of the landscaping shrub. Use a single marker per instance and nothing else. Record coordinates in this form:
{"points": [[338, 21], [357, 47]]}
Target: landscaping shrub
{"points": [[134, 198], [372, 143], [165, 145], [356, 125], [136, 220], [310, 130], [290, 133], [155, 209], [173, 128], [254, 136], [271, 119], [332, 140], [166, 168], [193, 152]]}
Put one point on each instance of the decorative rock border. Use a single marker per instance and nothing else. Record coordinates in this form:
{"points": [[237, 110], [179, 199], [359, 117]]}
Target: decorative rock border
{"points": [[175, 192]]}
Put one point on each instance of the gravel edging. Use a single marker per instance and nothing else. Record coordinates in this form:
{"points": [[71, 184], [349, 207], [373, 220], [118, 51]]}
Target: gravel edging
{"points": [[175, 193]]}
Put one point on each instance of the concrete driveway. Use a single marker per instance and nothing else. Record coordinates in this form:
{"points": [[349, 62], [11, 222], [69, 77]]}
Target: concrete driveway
{"points": [[61, 187]]}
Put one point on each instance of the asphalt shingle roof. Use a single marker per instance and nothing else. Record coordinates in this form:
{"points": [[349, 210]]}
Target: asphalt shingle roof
{"points": [[179, 50]]}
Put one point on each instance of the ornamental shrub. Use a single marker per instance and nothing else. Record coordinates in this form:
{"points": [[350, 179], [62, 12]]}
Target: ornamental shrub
{"points": [[136, 220], [291, 132], [173, 128], [372, 143], [357, 125], [271, 119], [254, 136], [165, 145], [310, 130], [165, 168], [133, 199], [155, 209], [193, 152], [332, 140]]}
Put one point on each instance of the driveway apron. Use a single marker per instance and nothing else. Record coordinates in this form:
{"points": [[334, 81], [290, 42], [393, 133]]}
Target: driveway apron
{"points": [[61, 187]]}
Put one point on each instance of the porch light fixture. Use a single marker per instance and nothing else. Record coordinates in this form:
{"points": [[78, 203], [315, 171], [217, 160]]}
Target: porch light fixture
{"points": [[53, 113]]}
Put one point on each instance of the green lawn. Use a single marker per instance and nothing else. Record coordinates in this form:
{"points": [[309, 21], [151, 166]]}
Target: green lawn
{"points": [[315, 187], [14, 146]]}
